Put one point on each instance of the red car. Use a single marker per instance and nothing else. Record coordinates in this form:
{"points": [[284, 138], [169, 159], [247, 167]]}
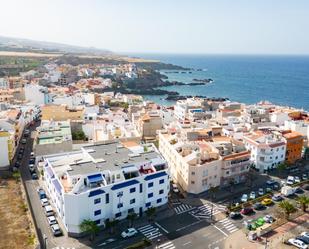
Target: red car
{"points": [[246, 211]]}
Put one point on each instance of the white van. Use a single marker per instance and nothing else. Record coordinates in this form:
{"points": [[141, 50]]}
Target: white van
{"points": [[48, 210]]}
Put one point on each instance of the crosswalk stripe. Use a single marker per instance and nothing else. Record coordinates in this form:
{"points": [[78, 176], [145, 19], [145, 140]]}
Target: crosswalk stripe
{"points": [[167, 245], [234, 230], [223, 220], [229, 226], [147, 229]]}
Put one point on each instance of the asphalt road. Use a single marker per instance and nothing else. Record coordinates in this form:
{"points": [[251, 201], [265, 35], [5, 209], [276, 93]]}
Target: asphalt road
{"points": [[31, 188]]}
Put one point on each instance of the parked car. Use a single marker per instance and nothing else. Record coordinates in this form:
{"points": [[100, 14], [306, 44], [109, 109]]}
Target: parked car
{"points": [[34, 176], [235, 215], [303, 239], [17, 165], [246, 211], [56, 230], [130, 232], [305, 234], [32, 161], [244, 198], [48, 210], [261, 192], [44, 202], [258, 206], [252, 195], [267, 201], [287, 191], [175, 188], [296, 179], [52, 220], [268, 218], [297, 243], [299, 190], [277, 197], [290, 180], [41, 193], [306, 187], [305, 177], [273, 184], [23, 141]]}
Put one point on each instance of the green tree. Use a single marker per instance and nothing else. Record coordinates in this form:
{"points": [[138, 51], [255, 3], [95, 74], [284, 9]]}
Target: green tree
{"points": [[16, 176], [281, 168], [212, 191], [111, 224], [151, 212], [131, 217], [287, 207], [78, 135], [303, 201], [89, 226]]}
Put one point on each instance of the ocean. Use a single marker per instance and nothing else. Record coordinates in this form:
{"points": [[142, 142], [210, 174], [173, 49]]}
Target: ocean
{"points": [[248, 79]]}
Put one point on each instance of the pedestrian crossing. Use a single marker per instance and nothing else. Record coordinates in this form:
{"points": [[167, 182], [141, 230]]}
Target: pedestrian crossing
{"points": [[150, 232], [228, 225], [167, 245], [175, 202], [204, 212], [183, 208]]}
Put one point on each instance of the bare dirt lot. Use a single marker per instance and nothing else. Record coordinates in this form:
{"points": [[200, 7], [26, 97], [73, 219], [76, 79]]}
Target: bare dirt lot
{"points": [[16, 230]]}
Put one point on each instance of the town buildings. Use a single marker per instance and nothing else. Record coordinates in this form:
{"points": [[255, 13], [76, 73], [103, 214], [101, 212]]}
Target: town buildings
{"points": [[52, 137], [104, 182]]}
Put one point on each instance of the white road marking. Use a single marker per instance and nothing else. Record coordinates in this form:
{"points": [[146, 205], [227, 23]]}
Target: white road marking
{"points": [[161, 227], [220, 230], [187, 243]]}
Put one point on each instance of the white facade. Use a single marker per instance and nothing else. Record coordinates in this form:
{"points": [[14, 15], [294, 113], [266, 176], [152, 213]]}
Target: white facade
{"points": [[36, 94], [267, 152], [105, 182], [4, 152]]}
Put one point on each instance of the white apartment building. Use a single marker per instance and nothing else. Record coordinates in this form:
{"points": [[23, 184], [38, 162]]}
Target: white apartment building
{"points": [[105, 182], [182, 107], [267, 148], [36, 94]]}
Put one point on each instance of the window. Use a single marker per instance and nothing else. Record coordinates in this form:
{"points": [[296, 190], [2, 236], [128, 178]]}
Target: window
{"points": [[107, 198], [141, 188], [159, 200], [192, 182], [132, 201], [97, 222], [120, 205], [161, 192], [97, 212], [227, 172], [150, 184], [119, 194], [148, 204], [193, 173], [150, 195], [161, 181], [132, 190], [118, 215], [96, 201], [131, 210]]}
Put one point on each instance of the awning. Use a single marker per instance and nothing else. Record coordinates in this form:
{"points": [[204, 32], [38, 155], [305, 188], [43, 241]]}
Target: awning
{"points": [[95, 178]]}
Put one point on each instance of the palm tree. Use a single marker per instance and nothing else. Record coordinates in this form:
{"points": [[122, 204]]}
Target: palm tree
{"points": [[89, 226], [212, 192], [150, 212], [288, 208], [111, 225], [303, 201], [131, 217]]}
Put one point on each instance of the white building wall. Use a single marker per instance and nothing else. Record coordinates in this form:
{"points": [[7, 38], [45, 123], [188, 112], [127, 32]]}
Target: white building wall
{"points": [[35, 94], [4, 152]]}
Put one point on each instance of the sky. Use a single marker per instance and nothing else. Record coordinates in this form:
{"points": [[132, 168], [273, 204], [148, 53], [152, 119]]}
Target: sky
{"points": [[164, 26]]}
